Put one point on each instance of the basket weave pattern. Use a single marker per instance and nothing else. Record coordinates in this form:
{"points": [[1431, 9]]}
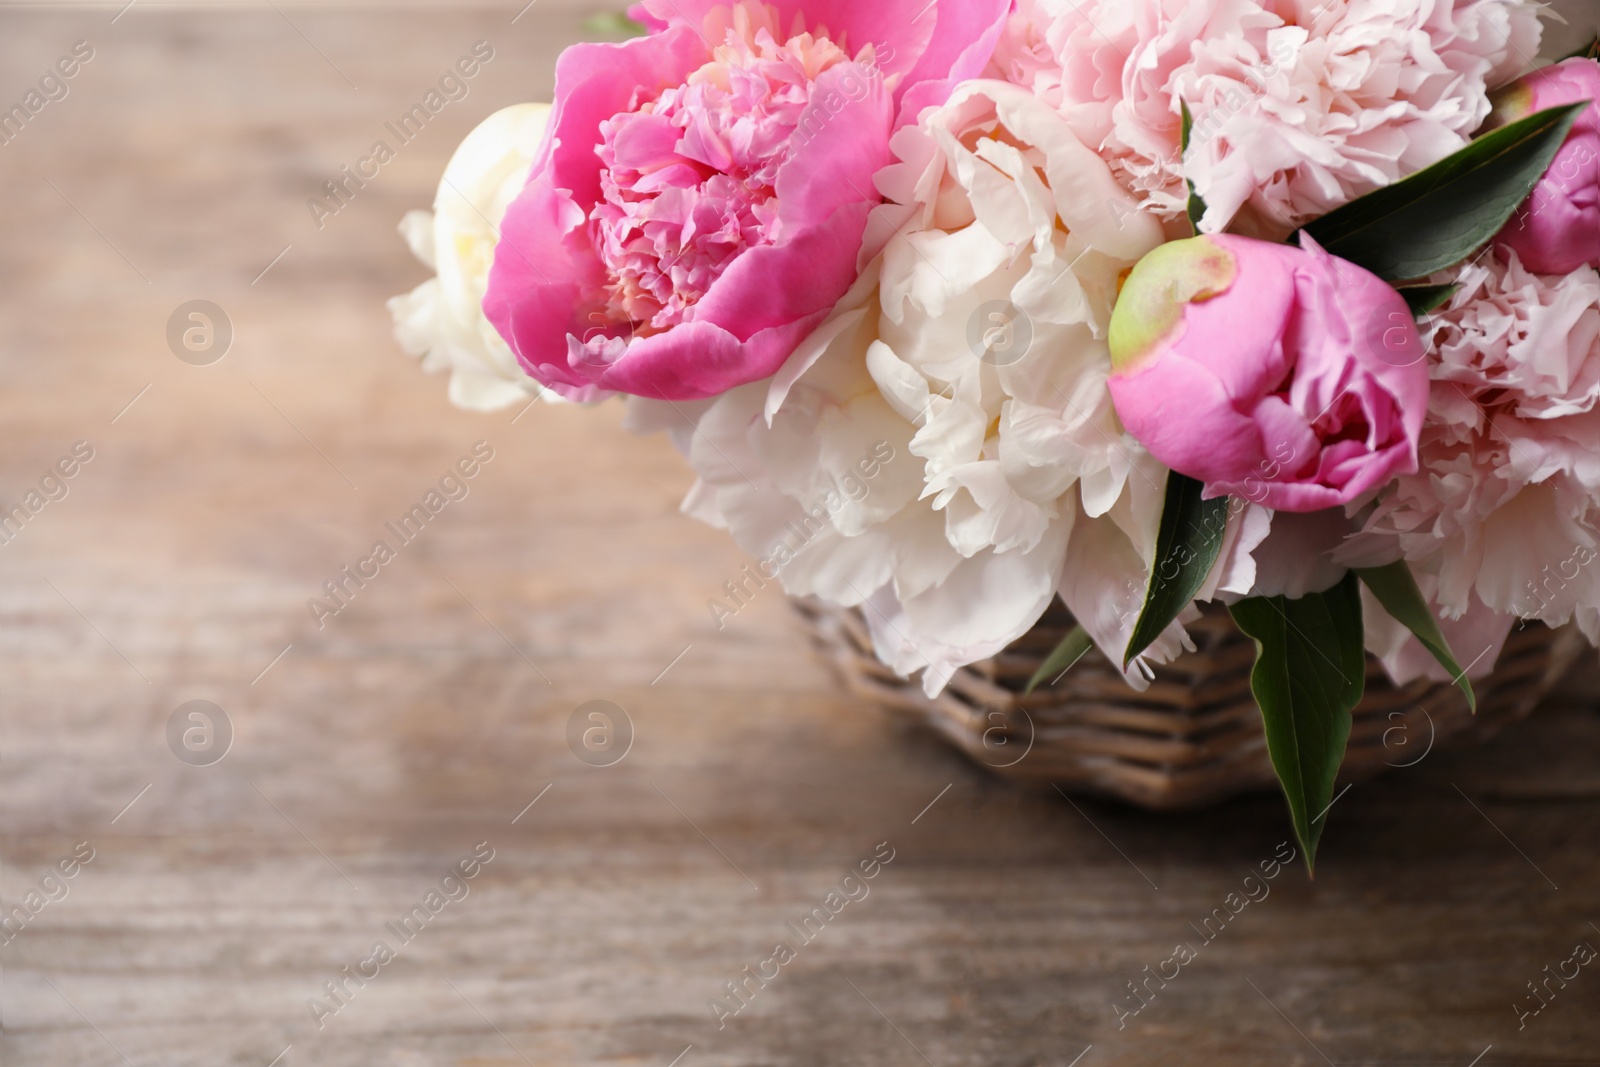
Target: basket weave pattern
{"points": [[1194, 736]]}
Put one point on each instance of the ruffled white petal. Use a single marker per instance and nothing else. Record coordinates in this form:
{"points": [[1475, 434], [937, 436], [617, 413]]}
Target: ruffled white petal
{"points": [[943, 450], [442, 320]]}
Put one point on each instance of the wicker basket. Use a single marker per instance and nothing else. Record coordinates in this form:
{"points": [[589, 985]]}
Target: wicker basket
{"points": [[1194, 737]]}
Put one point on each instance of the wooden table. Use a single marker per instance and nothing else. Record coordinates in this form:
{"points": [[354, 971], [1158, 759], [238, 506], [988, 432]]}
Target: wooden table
{"points": [[431, 715]]}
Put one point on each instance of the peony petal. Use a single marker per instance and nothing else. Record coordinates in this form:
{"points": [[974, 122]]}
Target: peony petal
{"points": [[1297, 557], [595, 82], [1103, 585], [1475, 639], [700, 359]]}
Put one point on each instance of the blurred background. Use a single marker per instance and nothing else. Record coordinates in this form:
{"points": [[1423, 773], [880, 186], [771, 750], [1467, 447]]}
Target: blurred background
{"points": [[216, 802]]}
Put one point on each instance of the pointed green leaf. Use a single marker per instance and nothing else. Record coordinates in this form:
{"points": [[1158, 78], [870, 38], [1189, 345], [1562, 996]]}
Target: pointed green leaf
{"points": [[1424, 299], [1309, 675], [1187, 546], [1396, 589], [1197, 206], [1441, 215], [1072, 648]]}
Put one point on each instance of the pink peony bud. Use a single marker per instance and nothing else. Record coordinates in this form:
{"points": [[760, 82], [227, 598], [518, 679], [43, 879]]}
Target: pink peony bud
{"points": [[1282, 375], [1558, 229]]}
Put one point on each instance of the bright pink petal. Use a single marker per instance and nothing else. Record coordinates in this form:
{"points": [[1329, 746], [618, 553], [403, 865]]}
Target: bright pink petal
{"points": [[963, 42], [537, 281], [595, 82], [1156, 404], [745, 300], [837, 153], [700, 359]]}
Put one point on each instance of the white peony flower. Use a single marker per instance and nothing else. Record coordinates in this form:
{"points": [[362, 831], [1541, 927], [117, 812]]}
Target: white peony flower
{"points": [[943, 451], [442, 320]]}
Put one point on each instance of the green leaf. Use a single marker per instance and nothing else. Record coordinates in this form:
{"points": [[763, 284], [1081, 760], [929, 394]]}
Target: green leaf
{"points": [[1441, 215], [1309, 675], [1428, 298], [1072, 648], [1187, 546], [1197, 206], [1397, 591]]}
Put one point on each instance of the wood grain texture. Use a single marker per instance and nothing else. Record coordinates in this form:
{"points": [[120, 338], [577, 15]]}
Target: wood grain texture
{"points": [[423, 719]]}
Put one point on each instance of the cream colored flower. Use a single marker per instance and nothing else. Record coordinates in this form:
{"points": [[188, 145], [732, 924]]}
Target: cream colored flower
{"points": [[943, 451], [442, 320]]}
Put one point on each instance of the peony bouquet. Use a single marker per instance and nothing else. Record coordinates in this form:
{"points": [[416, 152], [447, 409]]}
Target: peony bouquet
{"points": [[960, 306]]}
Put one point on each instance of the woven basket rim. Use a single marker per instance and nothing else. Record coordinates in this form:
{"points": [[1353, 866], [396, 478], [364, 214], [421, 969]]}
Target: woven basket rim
{"points": [[1194, 737]]}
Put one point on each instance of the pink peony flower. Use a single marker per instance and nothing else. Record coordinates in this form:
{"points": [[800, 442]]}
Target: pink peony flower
{"points": [[1476, 637], [1299, 105], [1282, 375], [700, 202], [1558, 229], [1503, 506]]}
